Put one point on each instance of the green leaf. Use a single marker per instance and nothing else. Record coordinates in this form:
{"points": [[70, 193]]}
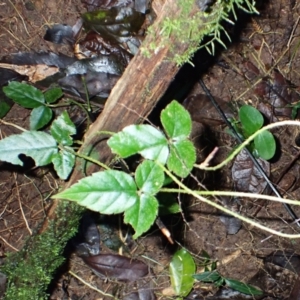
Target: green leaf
{"points": [[265, 145], [182, 158], [143, 139], [168, 204], [63, 162], [62, 128], [295, 108], [209, 276], [219, 282], [5, 107], [251, 119], [142, 214], [38, 145], [176, 121], [24, 94], [149, 177], [243, 287], [53, 95], [182, 268], [39, 117], [213, 266], [108, 192]]}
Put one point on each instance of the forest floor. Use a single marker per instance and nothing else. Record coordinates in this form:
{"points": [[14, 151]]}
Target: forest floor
{"points": [[264, 52]]}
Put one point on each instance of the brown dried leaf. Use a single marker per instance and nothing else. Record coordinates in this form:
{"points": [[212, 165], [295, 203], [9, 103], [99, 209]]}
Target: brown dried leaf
{"points": [[34, 73], [117, 267], [246, 176]]}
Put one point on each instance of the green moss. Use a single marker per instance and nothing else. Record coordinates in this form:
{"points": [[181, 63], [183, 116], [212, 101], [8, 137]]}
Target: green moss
{"points": [[190, 29], [30, 271]]}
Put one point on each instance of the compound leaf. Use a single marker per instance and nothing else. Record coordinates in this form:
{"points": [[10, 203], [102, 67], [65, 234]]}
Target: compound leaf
{"points": [[176, 121], [24, 94], [142, 214], [38, 145], [182, 158], [108, 192], [62, 128], [182, 269], [143, 139], [149, 177], [39, 117], [63, 162]]}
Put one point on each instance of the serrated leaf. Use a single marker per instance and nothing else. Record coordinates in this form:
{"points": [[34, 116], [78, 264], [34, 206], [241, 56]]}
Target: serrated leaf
{"points": [[63, 163], [39, 117], [182, 269], [38, 145], [265, 145], [108, 192], [24, 94], [62, 128], [53, 95], [242, 287], [251, 119], [209, 276], [176, 121], [149, 177], [143, 139], [182, 158], [142, 214]]}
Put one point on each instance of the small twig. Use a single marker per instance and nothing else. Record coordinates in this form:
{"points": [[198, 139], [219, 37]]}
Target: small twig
{"points": [[16, 38], [165, 231], [210, 156], [292, 33], [8, 244], [91, 287], [3, 211], [13, 125], [20, 17], [21, 208]]}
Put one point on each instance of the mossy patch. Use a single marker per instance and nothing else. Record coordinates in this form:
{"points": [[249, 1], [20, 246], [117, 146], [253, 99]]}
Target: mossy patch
{"points": [[30, 271], [194, 25]]}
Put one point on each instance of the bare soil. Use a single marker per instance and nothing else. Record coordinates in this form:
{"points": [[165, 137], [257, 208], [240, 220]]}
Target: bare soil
{"points": [[262, 45]]}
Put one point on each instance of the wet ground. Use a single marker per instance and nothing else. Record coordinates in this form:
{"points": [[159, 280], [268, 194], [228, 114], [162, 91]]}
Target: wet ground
{"points": [[264, 54]]}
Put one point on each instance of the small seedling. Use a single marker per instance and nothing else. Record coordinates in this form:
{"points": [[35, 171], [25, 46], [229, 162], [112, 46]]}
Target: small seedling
{"points": [[30, 97], [211, 275], [250, 121]]}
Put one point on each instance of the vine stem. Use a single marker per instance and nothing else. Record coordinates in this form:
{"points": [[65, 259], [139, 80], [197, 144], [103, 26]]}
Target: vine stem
{"points": [[90, 159], [227, 211], [233, 194], [247, 142]]}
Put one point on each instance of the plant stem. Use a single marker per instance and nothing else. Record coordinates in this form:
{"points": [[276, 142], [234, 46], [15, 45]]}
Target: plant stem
{"points": [[227, 211]]}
